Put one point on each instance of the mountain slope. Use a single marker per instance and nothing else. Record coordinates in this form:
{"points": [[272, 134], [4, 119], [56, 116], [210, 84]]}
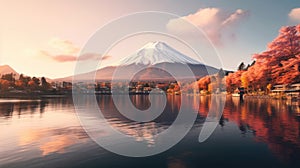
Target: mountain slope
{"points": [[156, 72], [6, 69]]}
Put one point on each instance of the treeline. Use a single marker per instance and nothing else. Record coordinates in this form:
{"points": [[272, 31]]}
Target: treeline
{"points": [[8, 82]]}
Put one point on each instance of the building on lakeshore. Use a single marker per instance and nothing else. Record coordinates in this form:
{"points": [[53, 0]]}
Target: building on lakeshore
{"points": [[286, 91], [293, 91]]}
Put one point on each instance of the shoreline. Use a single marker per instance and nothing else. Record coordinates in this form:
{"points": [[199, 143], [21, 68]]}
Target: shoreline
{"points": [[32, 95], [65, 95]]}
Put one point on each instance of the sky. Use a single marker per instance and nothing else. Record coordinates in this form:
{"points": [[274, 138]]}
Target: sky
{"points": [[44, 38]]}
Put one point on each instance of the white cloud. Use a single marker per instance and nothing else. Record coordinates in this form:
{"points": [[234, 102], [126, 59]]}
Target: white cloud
{"points": [[212, 21], [295, 14]]}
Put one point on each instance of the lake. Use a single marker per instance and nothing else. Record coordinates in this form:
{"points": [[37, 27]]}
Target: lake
{"points": [[47, 133]]}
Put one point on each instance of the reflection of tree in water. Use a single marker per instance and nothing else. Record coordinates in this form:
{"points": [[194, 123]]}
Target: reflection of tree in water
{"points": [[274, 122], [6, 109], [141, 102], [33, 106], [43, 104], [222, 121], [21, 107]]}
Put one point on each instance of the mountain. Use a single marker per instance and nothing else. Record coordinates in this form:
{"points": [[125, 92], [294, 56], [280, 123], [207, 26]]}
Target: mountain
{"points": [[157, 59], [6, 69], [157, 52]]}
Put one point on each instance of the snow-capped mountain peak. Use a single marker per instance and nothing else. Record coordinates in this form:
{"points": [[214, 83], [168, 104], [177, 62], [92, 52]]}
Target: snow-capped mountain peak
{"points": [[157, 52]]}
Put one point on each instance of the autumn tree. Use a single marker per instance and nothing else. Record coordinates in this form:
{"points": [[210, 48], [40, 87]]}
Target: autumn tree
{"points": [[280, 63], [244, 80], [233, 81], [9, 77], [19, 84], [24, 80], [34, 83], [203, 83], [4, 84]]}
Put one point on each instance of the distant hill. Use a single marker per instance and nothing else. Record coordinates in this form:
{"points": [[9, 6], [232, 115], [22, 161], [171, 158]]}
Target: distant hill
{"points": [[6, 69]]}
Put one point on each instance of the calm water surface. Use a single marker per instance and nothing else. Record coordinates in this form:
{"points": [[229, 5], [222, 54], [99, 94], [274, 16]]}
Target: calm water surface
{"points": [[47, 133]]}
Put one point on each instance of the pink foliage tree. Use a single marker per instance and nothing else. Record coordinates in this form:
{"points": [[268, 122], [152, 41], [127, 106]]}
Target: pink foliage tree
{"points": [[280, 63]]}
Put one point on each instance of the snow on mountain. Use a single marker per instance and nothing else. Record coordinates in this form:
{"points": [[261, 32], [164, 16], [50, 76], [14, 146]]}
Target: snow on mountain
{"points": [[157, 52]]}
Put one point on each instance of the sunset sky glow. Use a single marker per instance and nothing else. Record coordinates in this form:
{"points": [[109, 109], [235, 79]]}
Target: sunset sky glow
{"points": [[43, 38]]}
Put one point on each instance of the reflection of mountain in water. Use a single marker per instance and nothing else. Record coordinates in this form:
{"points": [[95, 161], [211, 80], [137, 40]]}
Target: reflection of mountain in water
{"points": [[141, 131]]}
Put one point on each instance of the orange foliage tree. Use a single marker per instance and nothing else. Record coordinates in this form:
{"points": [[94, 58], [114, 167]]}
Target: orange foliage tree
{"points": [[4, 84], [203, 83], [280, 64]]}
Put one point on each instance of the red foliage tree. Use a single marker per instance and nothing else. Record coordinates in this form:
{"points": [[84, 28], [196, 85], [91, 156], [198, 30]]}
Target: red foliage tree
{"points": [[280, 63], [4, 84], [233, 80]]}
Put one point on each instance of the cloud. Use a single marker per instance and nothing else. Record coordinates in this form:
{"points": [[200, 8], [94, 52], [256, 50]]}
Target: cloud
{"points": [[234, 17], [213, 21], [65, 51], [63, 46], [71, 58], [294, 15]]}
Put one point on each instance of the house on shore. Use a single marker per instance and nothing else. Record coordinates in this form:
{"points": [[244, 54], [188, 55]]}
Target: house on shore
{"points": [[293, 91], [286, 91]]}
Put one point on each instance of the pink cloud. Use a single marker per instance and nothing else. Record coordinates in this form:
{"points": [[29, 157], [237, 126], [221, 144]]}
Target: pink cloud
{"points": [[65, 51], [63, 46], [294, 15], [72, 58], [213, 21], [92, 56]]}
